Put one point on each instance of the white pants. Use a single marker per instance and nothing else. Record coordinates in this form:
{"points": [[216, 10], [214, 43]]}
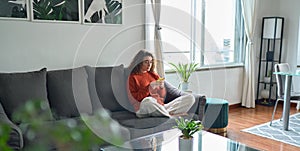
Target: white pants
{"points": [[150, 107]]}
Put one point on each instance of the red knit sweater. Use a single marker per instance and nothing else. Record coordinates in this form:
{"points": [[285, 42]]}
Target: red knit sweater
{"points": [[139, 88]]}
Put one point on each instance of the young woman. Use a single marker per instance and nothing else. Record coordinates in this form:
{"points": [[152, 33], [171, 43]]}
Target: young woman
{"points": [[146, 90]]}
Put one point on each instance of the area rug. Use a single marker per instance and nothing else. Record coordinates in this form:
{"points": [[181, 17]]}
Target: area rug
{"points": [[276, 132]]}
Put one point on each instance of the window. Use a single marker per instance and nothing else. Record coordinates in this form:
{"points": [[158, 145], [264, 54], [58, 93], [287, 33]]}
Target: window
{"points": [[209, 32]]}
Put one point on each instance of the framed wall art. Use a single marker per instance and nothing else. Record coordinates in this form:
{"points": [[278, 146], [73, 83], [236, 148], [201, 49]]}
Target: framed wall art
{"points": [[56, 10], [14, 9], [102, 12]]}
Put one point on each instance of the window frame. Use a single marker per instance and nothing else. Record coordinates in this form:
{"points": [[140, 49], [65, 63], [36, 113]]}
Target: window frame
{"points": [[239, 37]]}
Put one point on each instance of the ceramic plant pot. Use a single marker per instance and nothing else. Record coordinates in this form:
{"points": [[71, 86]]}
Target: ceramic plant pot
{"points": [[184, 86], [264, 93], [267, 79], [185, 144]]}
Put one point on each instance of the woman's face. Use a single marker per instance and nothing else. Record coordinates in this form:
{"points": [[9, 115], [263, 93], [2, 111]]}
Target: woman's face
{"points": [[146, 64]]}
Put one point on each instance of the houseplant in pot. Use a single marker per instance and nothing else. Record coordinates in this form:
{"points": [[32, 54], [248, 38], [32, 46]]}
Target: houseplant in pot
{"points": [[188, 127], [267, 79], [184, 71]]}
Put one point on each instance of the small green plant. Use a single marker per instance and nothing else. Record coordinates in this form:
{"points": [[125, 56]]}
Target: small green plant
{"points": [[269, 73], [188, 127], [184, 70]]}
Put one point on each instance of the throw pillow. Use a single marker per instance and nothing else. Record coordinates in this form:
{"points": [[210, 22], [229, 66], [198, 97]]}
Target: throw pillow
{"points": [[68, 92], [172, 92], [108, 87], [17, 88]]}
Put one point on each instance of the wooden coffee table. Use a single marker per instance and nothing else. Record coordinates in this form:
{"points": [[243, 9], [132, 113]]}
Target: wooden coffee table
{"points": [[168, 141]]}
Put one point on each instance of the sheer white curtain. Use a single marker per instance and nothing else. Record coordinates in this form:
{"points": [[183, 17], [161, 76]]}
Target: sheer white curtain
{"points": [[249, 14], [156, 6]]}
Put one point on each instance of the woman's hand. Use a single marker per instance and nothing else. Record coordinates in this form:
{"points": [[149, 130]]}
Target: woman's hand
{"points": [[153, 91], [160, 84], [157, 84], [158, 98], [157, 90]]}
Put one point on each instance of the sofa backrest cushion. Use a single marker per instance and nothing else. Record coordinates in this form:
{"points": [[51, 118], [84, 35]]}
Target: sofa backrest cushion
{"points": [[18, 88], [68, 92], [108, 87]]}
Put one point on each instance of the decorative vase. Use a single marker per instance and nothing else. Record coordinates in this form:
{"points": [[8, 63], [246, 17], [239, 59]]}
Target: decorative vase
{"points": [[184, 86], [267, 79], [185, 144], [264, 93]]}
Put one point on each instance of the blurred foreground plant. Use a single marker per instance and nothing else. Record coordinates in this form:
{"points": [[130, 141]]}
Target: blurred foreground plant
{"points": [[4, 137], [73, 134]]}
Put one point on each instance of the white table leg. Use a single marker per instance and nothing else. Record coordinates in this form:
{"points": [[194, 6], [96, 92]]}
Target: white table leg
{"points": [[286, 103]]}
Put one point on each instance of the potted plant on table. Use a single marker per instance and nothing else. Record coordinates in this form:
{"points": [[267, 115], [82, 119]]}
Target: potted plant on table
{"points": [[184, 71], [187, 128]]}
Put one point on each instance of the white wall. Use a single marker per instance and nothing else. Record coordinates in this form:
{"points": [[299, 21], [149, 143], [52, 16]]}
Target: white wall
{"points": [[298, 49], [32, 45], [228, 83], [216, 83], [289, 9], [29, 46]]}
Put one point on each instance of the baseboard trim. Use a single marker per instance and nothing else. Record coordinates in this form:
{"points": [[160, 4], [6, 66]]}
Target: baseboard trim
{"points": [[238, 105], [234, 106], [293, 104]]}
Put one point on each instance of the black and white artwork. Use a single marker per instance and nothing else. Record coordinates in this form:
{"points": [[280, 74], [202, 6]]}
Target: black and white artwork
{"points": [[102, 11], [56, 10], [14, 9]]}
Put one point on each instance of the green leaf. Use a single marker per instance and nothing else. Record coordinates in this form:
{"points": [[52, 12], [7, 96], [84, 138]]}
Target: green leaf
{"points": [[4, 137], [188, 127], [69, 134], [184, 70], [113, 14], [48, 9]]}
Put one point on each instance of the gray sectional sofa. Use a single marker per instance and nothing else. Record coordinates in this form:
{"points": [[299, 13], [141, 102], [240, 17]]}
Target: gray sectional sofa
{"points": [[70, 92]]}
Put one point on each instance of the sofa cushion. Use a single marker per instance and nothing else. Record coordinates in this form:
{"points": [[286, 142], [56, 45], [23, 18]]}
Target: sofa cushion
{"points": [[121, 115], [17, 88], [107, 86], [68, 92], [151, 122], [144, 123]]}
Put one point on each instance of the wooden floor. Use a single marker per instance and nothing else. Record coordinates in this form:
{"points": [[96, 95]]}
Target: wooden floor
{"points": [[241, 118]]}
